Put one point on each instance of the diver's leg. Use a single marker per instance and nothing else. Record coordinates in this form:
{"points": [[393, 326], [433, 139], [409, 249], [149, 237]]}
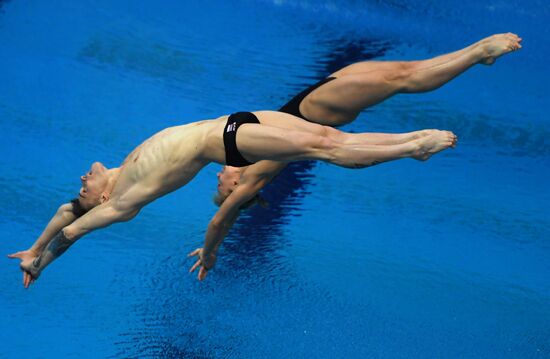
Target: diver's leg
{"points": [[287, 121], [259, 142], [355, 91], [492, 41]]}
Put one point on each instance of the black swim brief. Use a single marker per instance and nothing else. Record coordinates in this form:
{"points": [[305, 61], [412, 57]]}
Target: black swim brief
{"points": [[232, 155], [293, 106]]}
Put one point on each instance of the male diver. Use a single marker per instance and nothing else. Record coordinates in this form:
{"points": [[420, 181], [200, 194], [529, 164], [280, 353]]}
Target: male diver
{"points": [[172, 157], [338, 100]]}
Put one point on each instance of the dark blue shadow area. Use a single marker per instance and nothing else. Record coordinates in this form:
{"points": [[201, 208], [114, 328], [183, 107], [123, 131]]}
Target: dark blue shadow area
{"points": [[2, 3], [346, 51]]}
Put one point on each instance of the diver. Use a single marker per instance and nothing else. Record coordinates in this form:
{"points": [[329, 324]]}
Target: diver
{"points": [[172, 157], [337, 100]]}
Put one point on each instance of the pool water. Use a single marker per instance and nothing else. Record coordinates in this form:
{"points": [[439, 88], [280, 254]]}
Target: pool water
{"points": [[448, 259]]}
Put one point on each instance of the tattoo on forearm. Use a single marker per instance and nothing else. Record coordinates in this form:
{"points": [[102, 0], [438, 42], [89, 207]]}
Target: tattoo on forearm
{"points": [[36, 262], [57, 246]]}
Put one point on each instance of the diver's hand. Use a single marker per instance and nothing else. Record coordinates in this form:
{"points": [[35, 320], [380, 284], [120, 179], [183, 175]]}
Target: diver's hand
{"points": [[205, 261], [27, 257]]}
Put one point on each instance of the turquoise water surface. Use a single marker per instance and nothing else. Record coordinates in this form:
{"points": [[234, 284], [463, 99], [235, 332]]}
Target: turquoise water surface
{"points": [[444, 259]]}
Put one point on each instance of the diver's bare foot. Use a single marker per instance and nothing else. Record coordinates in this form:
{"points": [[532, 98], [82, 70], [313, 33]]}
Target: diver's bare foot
{"points": [[422, 133], [415, 135], [497, 45], [435, 142]]}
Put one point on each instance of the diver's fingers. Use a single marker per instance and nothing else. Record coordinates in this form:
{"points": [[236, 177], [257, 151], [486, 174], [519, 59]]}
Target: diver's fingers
{"points": [[15, 255], [197, 264], [202, 273], [195, 252], [27, 280]]}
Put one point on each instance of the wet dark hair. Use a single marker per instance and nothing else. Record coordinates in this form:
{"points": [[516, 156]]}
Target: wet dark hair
{"points": [[78, 210]]}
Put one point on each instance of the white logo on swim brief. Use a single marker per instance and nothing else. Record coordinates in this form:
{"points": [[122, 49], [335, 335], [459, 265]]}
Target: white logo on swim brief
{"points": [[231, 127]]}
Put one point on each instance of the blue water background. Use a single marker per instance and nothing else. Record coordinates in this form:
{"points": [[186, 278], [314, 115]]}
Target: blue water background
{"points": [[448, 258]]}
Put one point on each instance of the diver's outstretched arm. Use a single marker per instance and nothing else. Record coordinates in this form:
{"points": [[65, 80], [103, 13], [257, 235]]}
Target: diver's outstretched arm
{"points": [[99, 217], [62, 218], [221, 224]]}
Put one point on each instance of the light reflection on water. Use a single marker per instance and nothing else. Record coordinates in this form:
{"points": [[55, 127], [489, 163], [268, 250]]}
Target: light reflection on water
{"points": [[445, 258]]}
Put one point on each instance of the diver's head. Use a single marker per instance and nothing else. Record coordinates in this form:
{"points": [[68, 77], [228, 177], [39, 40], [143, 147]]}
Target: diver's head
{"points": [[228, 179], [94, 186]]}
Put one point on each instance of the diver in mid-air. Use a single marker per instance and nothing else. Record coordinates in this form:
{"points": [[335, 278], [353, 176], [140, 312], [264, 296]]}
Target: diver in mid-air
{"points": [[171, 158], [337, 100]]}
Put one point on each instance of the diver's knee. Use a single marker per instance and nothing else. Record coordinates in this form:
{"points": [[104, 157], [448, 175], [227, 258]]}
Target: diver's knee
{"points": [[336, 135], [400, 78], [318, 145]]}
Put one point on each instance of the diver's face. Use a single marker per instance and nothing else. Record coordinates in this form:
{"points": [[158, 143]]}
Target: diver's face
{"points": [[228, 179], [94, 183]]}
